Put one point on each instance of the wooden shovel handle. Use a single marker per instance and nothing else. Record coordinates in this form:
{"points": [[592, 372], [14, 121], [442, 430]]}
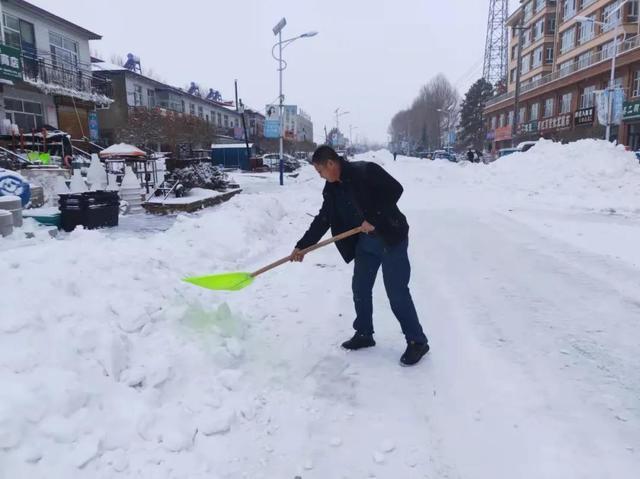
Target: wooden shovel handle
{"points": [[282, 261]]}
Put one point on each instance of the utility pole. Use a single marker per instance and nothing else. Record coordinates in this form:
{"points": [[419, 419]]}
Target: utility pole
{"points": [[236, 86]]}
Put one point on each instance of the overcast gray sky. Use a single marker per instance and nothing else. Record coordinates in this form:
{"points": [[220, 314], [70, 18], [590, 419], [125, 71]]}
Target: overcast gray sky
{"points": [[371, 56]]}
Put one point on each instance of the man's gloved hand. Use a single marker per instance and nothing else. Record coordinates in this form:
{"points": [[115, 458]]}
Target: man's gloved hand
{"points": [[367, 227], [297, 256]]}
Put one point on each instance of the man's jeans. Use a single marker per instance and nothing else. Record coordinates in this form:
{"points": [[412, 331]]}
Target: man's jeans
{"points": [[371, 253]]}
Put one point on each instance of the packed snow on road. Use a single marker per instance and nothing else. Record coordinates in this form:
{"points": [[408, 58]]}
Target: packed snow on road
{"points": [[525, 274]]}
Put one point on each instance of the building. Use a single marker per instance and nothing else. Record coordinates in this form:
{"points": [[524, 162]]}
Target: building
{"points": [[304, 127], [45, 72], [255, 124], [297, 124], [564, 62], [132, 89]]}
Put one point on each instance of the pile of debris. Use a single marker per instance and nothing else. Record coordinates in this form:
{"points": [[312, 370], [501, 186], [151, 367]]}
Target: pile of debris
{"points": [[201, 175]]}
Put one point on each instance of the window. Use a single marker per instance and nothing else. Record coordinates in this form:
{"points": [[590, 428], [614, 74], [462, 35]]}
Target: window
{"points": [[635, 89], [151, 98], [493, 122], [586, 3], [538, 30], [219, 119], [512, 75], [548, 55], [526, 64], [549, 103], [501, 120], [537, 57], [587, 98], [26, 114], [226, 121], [587, 30], [12, 31], [583, 61], [568, 9], [200, 112], [535, 111], [528, 11], [540, 5], [526, 39], [522, 113], [514, 52], [64, 51], [137, 95], [207, 117], [611, 20], [607, 49], [568, 40], [633, 11], [565, 103], [551, 25], [192, 109], [510, 118]]}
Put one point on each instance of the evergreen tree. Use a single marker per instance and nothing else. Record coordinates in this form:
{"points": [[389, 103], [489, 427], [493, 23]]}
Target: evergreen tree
{"points": [[472, 131]]}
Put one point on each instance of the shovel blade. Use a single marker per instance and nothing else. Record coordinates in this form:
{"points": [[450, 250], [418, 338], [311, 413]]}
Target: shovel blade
{"points": [[222, 282]]}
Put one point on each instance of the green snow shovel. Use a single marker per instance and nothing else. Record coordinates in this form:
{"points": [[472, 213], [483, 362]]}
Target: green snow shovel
{"points": [[238, 281]]}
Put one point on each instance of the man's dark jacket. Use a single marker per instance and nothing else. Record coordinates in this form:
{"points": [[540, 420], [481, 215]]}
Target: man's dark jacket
{"points": [[376, 194]]}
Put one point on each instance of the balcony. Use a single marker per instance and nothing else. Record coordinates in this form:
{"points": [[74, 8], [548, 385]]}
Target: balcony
{"points": [[66, 80], [574, 67]]}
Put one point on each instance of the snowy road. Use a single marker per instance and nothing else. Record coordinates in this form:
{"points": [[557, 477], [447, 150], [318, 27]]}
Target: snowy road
{"points": [[532, 311]]}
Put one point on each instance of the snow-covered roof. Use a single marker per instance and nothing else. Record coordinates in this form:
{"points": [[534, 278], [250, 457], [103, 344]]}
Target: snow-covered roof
{"points": [[221, 146], [105, 67], [121, 149]]}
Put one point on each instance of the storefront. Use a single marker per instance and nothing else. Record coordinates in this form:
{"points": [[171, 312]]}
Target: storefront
{"points": [[502, 137], [631, 119]]}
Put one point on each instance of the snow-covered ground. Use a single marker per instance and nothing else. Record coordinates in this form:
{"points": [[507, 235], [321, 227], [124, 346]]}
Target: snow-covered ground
{"points": [[526, 275]]}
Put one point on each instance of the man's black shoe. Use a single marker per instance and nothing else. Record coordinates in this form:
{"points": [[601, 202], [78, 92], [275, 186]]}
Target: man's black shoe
{"points": [[359, 341], [414, 353]]}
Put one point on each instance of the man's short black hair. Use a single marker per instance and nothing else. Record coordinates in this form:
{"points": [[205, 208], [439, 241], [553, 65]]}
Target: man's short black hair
{"points": [[323, 154]]}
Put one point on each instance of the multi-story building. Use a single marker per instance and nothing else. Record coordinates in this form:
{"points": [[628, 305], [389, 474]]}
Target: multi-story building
{"points": [[45, 73], [132, 90], [304, 127], [566, 52], [255, 124]]}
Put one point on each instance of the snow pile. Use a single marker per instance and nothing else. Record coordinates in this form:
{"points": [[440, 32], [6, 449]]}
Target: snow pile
{"points": [[590, 173], [587, 174], [111, 365]]}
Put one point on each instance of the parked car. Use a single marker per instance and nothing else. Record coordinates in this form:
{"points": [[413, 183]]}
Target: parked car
{"points": [[525, 145], [507, 152], [443, 155], [272, 161]]}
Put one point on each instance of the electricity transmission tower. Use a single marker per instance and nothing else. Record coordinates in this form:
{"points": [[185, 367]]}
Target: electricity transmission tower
{"points": [[495, 52]]}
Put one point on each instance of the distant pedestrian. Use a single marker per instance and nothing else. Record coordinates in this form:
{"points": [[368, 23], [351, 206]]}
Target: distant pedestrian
{"points": [[395, 153], [470, 155], [479, 153]]}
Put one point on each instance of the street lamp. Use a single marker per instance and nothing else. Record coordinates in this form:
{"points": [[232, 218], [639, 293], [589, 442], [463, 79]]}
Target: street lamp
{"points": [[351, 128], [612, 79], [338, 115], [282, 44]]}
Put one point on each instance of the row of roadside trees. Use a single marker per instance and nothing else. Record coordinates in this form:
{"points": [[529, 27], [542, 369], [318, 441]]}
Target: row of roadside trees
{"points": [[436, 112]]}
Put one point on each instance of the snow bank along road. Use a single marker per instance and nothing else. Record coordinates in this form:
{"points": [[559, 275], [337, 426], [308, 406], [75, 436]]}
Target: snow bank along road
{"points": [[525, 275]]}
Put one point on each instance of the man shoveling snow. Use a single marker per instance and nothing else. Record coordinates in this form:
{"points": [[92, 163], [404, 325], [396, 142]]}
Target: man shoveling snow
{"points": [[364, 194]]}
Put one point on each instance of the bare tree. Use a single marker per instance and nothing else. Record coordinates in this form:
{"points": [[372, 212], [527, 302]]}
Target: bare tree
{"points": [[432, 112]]}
